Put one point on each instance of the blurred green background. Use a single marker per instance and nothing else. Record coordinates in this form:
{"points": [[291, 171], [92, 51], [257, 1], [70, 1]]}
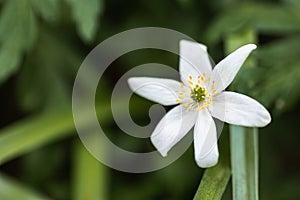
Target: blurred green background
{"points": [[42, 44]]}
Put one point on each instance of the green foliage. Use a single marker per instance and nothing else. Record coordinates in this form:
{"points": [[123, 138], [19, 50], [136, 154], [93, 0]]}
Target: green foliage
{"points": [[281, 75], [19, 26], [31, 133], [47, 9], [86, 16], [18, 31], [11, 189], [43, 42], [47, 68], [274, 79], [264, 18]]}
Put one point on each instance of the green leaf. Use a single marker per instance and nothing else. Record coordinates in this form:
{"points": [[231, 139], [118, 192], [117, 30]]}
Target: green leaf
{"points": [[18, 30], [48, 9], [33, 132], [47, 65], [266, 18], [88, 170], [215, 179], [244, 162], [11, 189], [10, 58], [86, 15], [282, 91]]}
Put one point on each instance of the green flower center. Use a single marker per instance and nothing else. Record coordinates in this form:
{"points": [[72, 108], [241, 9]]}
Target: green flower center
{"points": [[198, 94]]}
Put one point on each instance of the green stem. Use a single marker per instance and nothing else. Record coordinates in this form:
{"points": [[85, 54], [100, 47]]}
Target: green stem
{"points": [[215, 179], [89, 175], [243, 141], [244, 162]]}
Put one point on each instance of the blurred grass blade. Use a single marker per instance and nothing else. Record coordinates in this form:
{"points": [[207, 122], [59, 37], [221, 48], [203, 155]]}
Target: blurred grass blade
{"points": [[89, 175], [33, 132], [244, 162], [215, 179], [12, 190]]}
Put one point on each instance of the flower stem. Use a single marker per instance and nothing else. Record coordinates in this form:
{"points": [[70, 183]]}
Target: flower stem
{"points": [[86, 169], [243, 141], [244, 162], [215, 179]]}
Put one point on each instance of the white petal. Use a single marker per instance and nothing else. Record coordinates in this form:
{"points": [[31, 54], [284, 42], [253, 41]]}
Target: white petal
{"points": [[205, 140], [194, 60], [239, 109], [226, 70], [172, 128], [159, 90]]}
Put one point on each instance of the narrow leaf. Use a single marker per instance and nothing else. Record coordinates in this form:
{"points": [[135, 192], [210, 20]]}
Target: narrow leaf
{"points": [[12, 189], [33, 132]]}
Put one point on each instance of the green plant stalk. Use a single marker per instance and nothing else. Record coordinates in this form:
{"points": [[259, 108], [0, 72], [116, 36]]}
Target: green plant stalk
{"points": [[215, 179], [243, 141], [89, 175], [244, 162]]}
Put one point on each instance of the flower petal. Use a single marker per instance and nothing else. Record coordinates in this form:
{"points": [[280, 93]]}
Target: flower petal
{"points": [[239, 109], [194, 60], [205, 140], [226, 70], [172, 128], [159, 90]]}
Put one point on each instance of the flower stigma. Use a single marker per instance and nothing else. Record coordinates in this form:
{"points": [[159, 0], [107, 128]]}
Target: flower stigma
{"points": [[201, 93], [198, 94]]}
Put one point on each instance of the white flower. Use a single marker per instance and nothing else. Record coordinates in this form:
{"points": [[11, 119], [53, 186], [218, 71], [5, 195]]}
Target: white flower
{"points": [[200, 97]]}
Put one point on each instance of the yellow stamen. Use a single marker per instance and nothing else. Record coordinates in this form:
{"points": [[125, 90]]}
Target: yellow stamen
{"points": [[191, 82]]}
